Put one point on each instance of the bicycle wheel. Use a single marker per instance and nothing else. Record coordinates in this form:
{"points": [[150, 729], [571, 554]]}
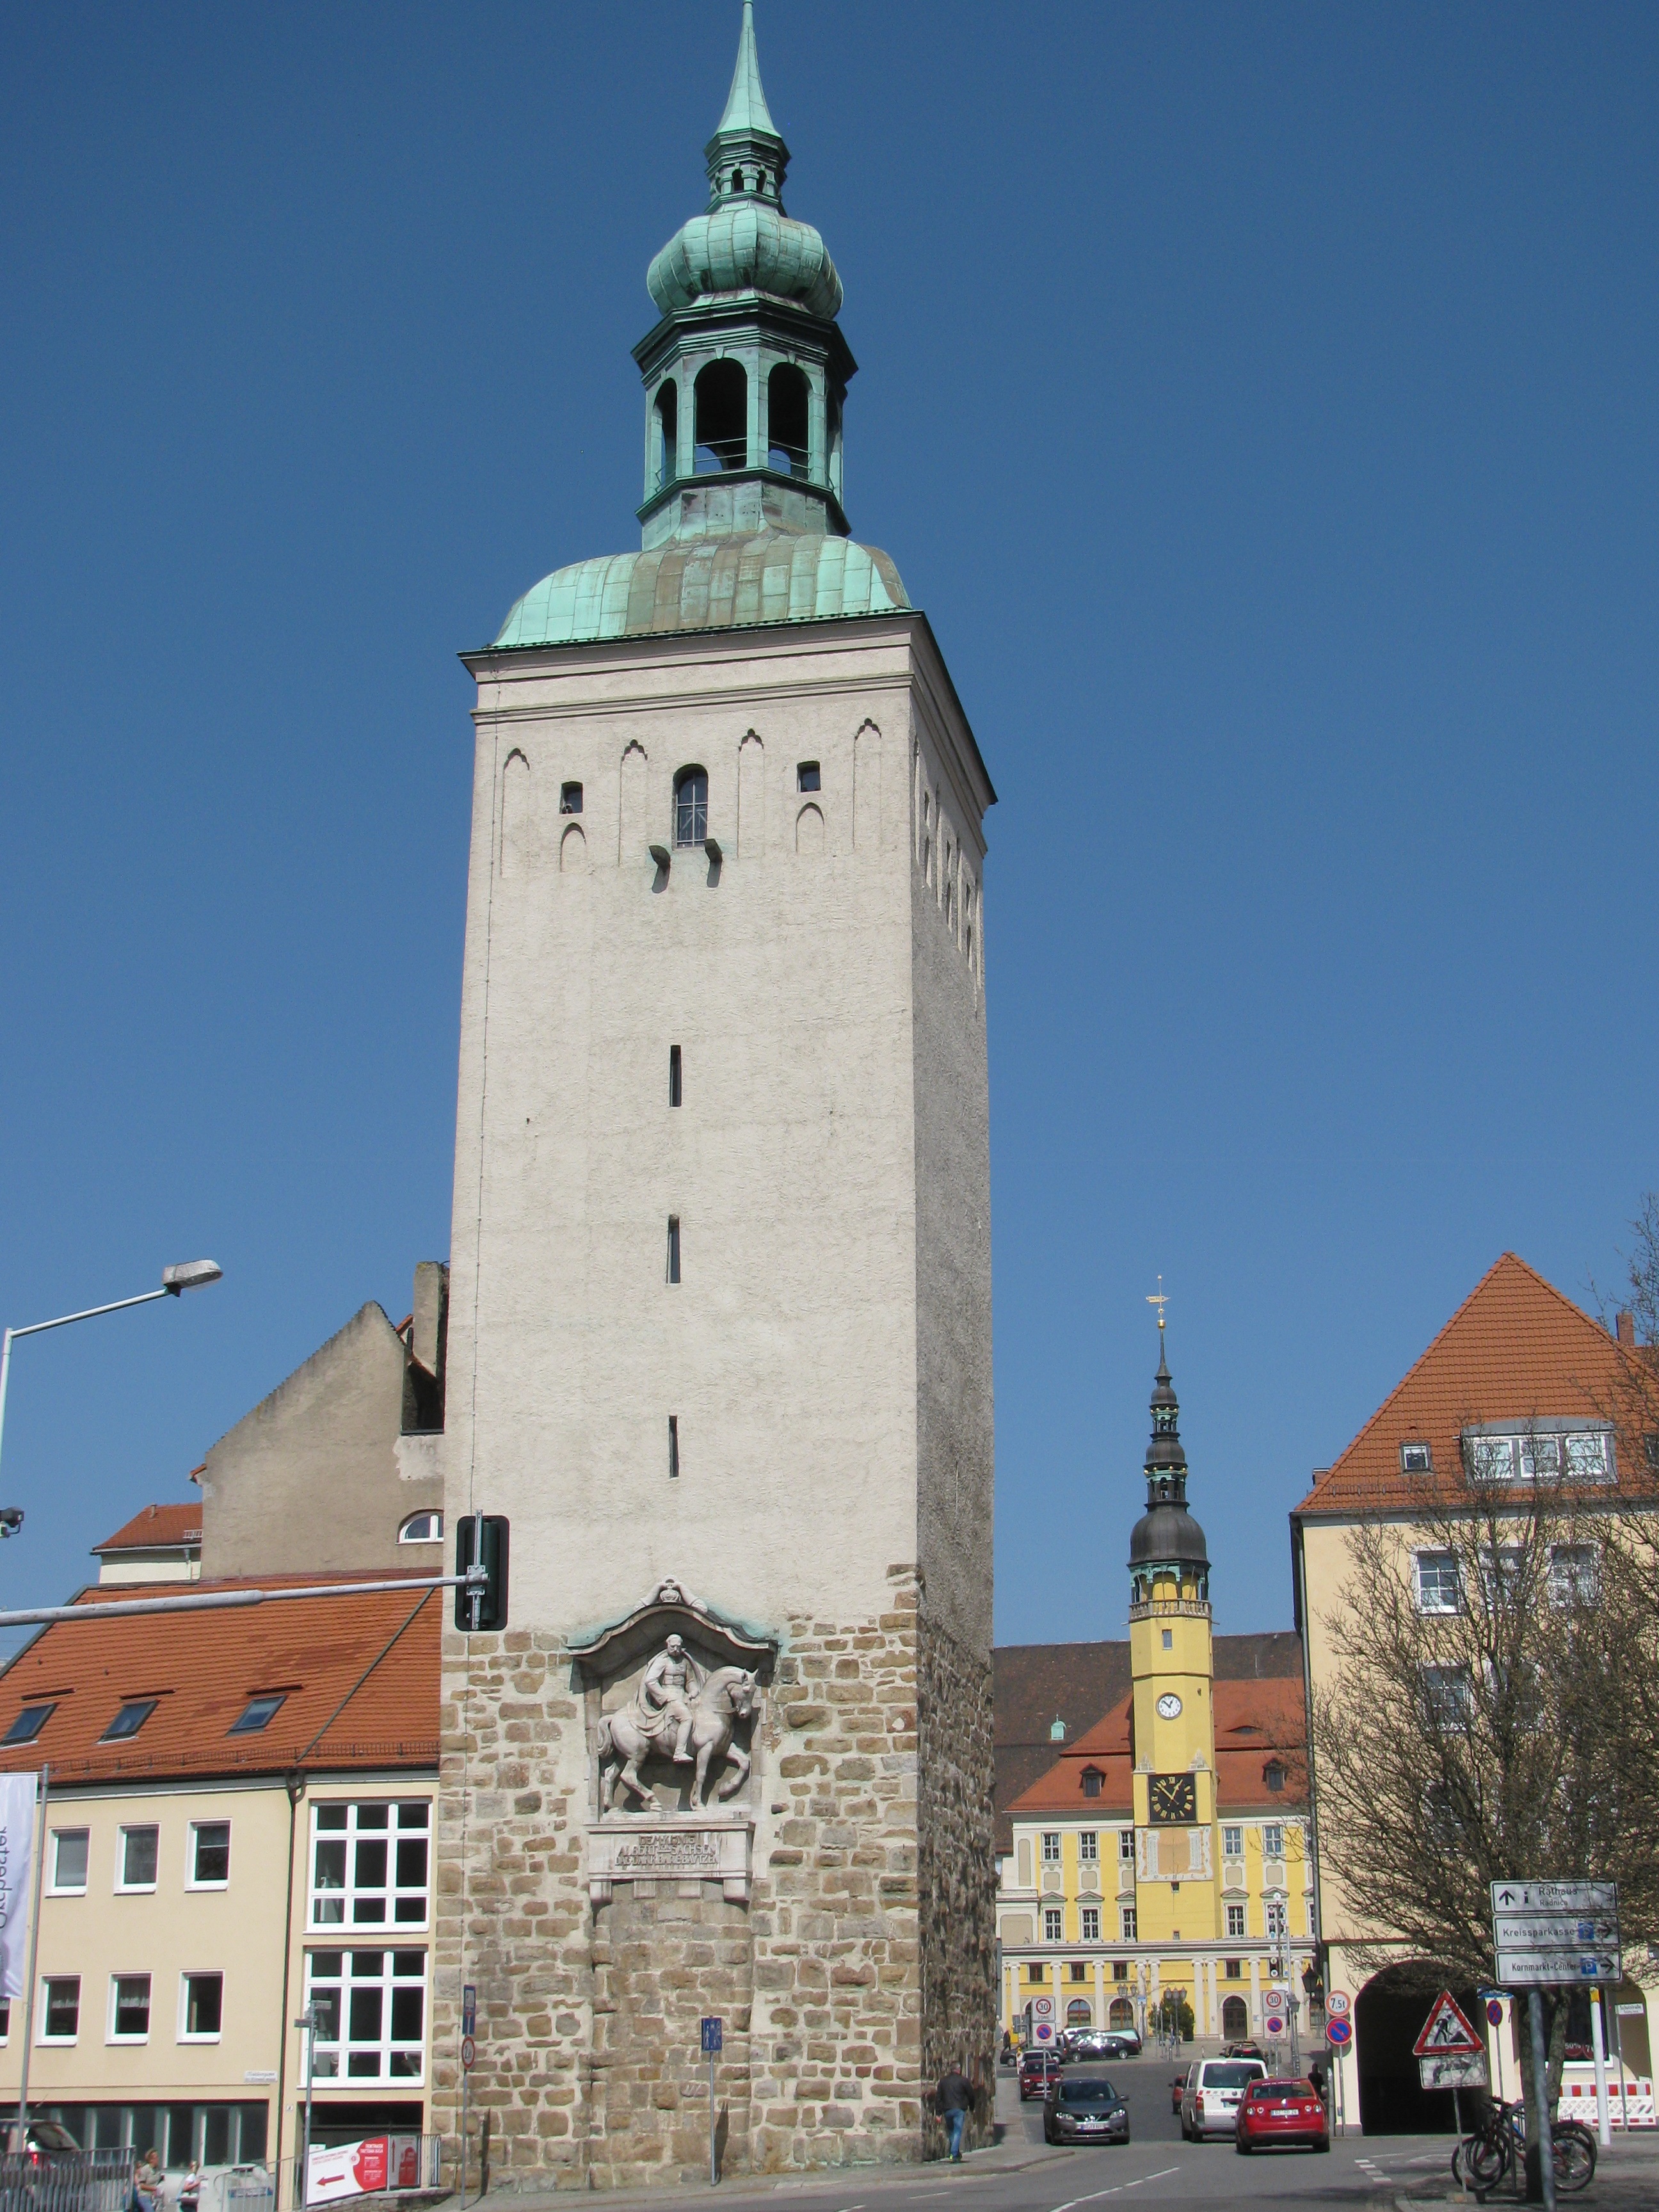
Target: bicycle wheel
{"points": [[1575, 2155], [1489, 2159]]}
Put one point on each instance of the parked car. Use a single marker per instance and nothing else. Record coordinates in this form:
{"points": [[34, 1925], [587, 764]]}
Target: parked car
{"points": [[1178, 2089], [1129, 2037], [46, 2141], [1276, 2112], [1215, 2088], [1244, 2050], [1036, 2069], [1085, 2109]]}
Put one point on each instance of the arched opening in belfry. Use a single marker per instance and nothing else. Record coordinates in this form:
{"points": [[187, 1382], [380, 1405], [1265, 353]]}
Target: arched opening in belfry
{"points": [[787, 436], [722, 418], [666, 433]]}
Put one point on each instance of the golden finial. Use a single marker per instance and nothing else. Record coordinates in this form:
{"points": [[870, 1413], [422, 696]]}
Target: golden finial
{"points": [[1160, 1301]]}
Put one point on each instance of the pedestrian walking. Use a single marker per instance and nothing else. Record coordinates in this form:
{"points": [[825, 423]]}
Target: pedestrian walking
{"points": [[953, 2100]]}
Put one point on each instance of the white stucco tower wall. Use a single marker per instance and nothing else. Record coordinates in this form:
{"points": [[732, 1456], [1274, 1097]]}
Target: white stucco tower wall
{"points": [[825, 1357]]}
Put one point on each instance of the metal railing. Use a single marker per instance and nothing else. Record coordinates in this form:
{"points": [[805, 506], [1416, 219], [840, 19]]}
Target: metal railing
{"points": [[66, 2181]]}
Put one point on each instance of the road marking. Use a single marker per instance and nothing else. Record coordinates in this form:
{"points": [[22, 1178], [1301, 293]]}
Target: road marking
{"points": [[1117, 2188]]}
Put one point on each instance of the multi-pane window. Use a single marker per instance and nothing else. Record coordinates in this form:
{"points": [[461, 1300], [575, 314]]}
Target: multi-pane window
{"points": [[201, 2007], [1126, 1844], [1232, 1843], [1446, 1696], [370, 2008], [1054, 1926], [369, 1865], [1500, 1573], [691, 807], [1273, 1911], [1414, 1459], [60, 2008], [1051, 1847], [1587, 1457], [1273, 1841], [1540, 1458], [1575, 1574], [1235, 1970], [1234, 1920], [1091, 1924], [1439, 1587], [209, 1854], [1490, 1459], [69, 1862], [1575, 1456], [1126, 1915], [1120, 1969], [135, 1863], [1087, 1848], [129, 2009]]}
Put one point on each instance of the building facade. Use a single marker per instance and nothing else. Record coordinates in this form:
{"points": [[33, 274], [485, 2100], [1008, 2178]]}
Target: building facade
{"points": [[1164, 1856], [720, 1333]]}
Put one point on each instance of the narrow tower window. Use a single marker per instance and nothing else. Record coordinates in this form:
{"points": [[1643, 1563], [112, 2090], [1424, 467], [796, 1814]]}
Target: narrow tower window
{"points": [[787, 449], [673, 1075], [673, 1446], [721, 394], [807, 777], [667, 432], [691, 806], [570, 798], [673, 1248]]}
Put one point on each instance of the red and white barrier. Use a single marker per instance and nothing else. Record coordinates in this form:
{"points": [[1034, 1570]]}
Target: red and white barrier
{"points": [[1635, 2104]]}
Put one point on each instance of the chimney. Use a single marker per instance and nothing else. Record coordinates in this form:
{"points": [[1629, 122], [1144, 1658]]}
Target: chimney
{"points": [[1626, 1328], [424, 1379]]}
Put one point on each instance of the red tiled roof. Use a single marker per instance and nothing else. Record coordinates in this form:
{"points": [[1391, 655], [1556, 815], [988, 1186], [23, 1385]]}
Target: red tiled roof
{"points": [[156, 1524], [1516, 1350], [202, 1668], [1256, 1723]]}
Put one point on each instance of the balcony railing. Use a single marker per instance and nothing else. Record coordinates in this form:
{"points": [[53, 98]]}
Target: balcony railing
{"points": [[1197, 1608]]}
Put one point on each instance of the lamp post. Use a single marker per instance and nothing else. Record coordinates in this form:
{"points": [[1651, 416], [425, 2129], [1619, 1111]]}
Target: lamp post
{"points": [[188, 1275]]}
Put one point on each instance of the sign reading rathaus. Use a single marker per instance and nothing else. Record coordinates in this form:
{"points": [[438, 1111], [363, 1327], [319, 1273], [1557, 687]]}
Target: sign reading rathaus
{"points": [[720, 1338]]}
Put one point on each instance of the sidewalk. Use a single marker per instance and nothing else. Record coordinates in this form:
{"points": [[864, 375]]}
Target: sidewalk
{"points": [[1626, 2177]]}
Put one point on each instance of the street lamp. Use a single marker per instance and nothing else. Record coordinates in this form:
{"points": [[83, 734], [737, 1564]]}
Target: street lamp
{"points": [[188, 1276]]}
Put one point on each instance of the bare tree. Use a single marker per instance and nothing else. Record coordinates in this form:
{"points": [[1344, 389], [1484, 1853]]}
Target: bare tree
{"points": [[1492, 1718]]}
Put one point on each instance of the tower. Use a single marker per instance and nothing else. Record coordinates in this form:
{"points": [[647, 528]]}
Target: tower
{"points": [[719, 1333], [1173, 1725]]}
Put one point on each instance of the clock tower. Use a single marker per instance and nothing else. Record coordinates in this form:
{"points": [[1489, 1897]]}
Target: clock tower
{"points": [[1173, 1724]]}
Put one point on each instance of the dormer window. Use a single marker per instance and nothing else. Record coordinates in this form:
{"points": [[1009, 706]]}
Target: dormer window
{"points": [[1273, 1775], [1091, 1781]]}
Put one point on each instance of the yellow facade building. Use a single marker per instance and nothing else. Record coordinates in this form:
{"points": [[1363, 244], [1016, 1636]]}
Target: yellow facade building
{"points": [[1165, 1853]]}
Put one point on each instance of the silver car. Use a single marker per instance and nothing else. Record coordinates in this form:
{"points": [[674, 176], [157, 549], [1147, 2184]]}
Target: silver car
{"points": [[1209, 2105]]}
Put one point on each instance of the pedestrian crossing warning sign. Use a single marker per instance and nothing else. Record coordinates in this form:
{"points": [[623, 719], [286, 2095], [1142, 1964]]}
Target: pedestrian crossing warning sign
{"points": [[1446, 2031]]}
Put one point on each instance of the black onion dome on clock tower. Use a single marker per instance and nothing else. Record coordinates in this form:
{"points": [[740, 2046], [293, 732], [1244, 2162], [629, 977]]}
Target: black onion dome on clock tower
{"points": [[1166, 1542]]}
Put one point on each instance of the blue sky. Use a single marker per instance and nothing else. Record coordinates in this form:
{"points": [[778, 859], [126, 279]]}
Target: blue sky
{"points": [[1259, 400]]}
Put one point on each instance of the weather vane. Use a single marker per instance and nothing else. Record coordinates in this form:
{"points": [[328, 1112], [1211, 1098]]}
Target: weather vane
{"points": [[1160, 1301]]}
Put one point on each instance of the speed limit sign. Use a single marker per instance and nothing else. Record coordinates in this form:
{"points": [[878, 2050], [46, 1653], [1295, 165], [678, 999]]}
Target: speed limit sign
{"points": [[468, 2052]]}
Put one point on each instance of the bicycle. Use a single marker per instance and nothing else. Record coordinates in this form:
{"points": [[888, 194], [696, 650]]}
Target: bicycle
{"points": [[1499, 2143]]}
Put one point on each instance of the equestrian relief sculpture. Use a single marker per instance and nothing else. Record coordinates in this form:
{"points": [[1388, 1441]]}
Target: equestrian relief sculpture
{"points": [[682, 1713]]}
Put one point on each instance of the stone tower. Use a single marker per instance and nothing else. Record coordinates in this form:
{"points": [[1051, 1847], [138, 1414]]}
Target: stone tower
{"points": [[719, 1342], [1177, 1896]]}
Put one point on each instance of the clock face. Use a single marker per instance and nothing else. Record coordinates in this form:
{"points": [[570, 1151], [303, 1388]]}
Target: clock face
{"points": [[1172, 1800], [1168, 1706]]}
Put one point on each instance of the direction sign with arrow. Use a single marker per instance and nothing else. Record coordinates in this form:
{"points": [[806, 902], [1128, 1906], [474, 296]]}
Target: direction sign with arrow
{"points": [[1596, 1897], [1446, 2031]]}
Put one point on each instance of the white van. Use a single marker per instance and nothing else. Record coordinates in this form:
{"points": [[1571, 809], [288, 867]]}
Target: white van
{"points": [[1210, 2106]]}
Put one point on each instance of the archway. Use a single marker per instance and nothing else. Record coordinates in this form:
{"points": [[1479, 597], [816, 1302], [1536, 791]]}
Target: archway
{"points": [[1121, 2014], [1389, 2016], [1078, 2014], [1235, 2019]]}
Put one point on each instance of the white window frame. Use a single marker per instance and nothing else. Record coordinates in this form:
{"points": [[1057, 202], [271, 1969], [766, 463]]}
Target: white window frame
{"points": [[1054, 1924], [6, 2004], [1416, 1444], [193, 1829], [1435, 1560], [388, 1985], [1276, 1915], [1127, 1917], [1236, 1928], [110, 2033], [123, 1887], [200, 1974], [1441, 1710], [1232, 1840], [1126, 1846], [1088, 1847], [58, 2042], [1601, 1471], [349, 1929], [1090, 1923], [1051, 1846], [1500, 1573], [1490, 1459], [1273, 1840], [427, 1513], [1530, 1447], [54, 1887], [1586, 1590]]}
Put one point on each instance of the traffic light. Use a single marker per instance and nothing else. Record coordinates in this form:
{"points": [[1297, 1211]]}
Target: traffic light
{"points": [[491, 1602]]}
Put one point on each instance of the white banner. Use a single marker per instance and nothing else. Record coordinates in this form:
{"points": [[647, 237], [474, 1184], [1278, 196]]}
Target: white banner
{"points": [[17, 1796]]}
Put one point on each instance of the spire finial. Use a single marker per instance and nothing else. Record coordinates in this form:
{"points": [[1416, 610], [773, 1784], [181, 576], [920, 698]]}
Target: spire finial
{"points": [[1160, 1301], [746, 111]]}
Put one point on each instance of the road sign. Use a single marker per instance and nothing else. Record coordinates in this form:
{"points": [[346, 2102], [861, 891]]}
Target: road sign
{"points": [[1044, 2031], [1277, 2000], [1339, 2033], [469, 2053], [1555, 1897], [1275, 2024], [713, 2036], [1554, 1931], [470, 2009], [1338, 2004], [1495, 2011], [1543, 1970], [1462, 2069], [1446, 2031], [1042, 2007]]}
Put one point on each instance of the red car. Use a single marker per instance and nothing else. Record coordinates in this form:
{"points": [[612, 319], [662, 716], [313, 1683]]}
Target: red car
{"points": [[1273, 2113], [1037, 2069]]}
